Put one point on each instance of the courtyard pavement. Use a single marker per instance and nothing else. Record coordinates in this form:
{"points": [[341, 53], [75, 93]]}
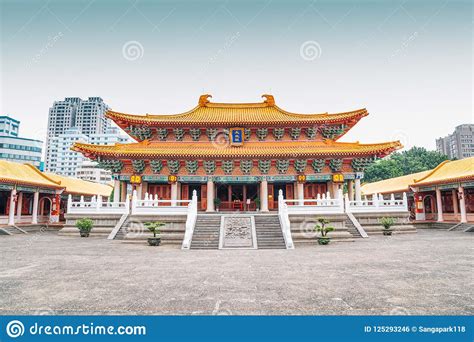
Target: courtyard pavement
{"points": [[428, 273]]}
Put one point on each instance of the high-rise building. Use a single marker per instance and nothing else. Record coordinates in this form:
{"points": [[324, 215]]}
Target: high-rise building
{"points": [[66, 162], [15, 148], [88, 170], [459, 144], [62, 160], [86, 115]]}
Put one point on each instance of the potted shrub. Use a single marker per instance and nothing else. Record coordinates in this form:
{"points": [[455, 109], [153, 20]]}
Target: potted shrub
{"points": [[85, 226], [257, 204], [154, 227], [217, 203], [324, 229], [387, 223]]}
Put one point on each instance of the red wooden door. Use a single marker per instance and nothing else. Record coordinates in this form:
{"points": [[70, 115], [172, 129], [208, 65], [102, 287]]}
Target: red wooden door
{"points": [[204, 197], [184, 191], [271, 197], [163, 191], [311, 190]]}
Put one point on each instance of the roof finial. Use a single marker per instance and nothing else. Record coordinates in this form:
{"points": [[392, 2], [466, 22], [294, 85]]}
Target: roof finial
{"points": [[203, 100], [269, 99]]}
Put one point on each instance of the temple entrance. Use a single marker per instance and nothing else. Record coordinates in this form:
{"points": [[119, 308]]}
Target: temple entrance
{"points": [[163, 191], [237, 197], [187, 192], [311, 190]]}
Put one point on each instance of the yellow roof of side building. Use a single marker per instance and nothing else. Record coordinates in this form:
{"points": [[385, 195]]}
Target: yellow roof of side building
{"points": [[25, 174], [446, 172], [76, 186], [392, 185], [449, 171]]}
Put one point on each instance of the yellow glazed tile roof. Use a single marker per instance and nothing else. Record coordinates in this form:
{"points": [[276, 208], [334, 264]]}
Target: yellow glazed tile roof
{"points": [[449, 171], [207, 150], [446, 172], [81, 187], [25, 174], [392, 185], [235, 114]]}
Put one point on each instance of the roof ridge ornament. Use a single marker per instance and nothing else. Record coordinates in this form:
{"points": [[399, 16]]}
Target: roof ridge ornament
{"points": [[269, 99], [203, 100]]}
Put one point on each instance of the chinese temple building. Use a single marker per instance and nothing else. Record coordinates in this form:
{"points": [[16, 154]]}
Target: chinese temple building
{"points": [[443, 194], [237, 156], [29, 196]]}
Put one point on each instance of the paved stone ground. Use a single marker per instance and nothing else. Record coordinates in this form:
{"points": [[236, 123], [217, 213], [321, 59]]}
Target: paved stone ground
{"points": [[430, 272]]}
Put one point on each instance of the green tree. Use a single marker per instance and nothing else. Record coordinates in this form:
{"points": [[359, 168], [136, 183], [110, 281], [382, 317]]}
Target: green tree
{"points": [[416, 159]]}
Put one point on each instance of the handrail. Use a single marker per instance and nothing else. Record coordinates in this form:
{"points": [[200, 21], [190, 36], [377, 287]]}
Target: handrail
{"points": [[377, 204], [284, 221], [190, 221], [96, 205]]}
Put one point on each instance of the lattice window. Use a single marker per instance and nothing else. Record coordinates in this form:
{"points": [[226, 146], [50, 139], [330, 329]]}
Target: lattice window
{"points": [[209, 166], [178, 133], [191, 166], [228, 166], [173, 166], [295, 133], [156, 166], [335, 165], [318, 165], [278, 133], [246, 166], [282, 165], [195, 133], [300, 165], [264, 166], [138, 166], [262, 133], [311, 132]]}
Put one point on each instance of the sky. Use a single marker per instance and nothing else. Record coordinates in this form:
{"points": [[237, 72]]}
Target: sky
{"points": [[408, 62]]}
